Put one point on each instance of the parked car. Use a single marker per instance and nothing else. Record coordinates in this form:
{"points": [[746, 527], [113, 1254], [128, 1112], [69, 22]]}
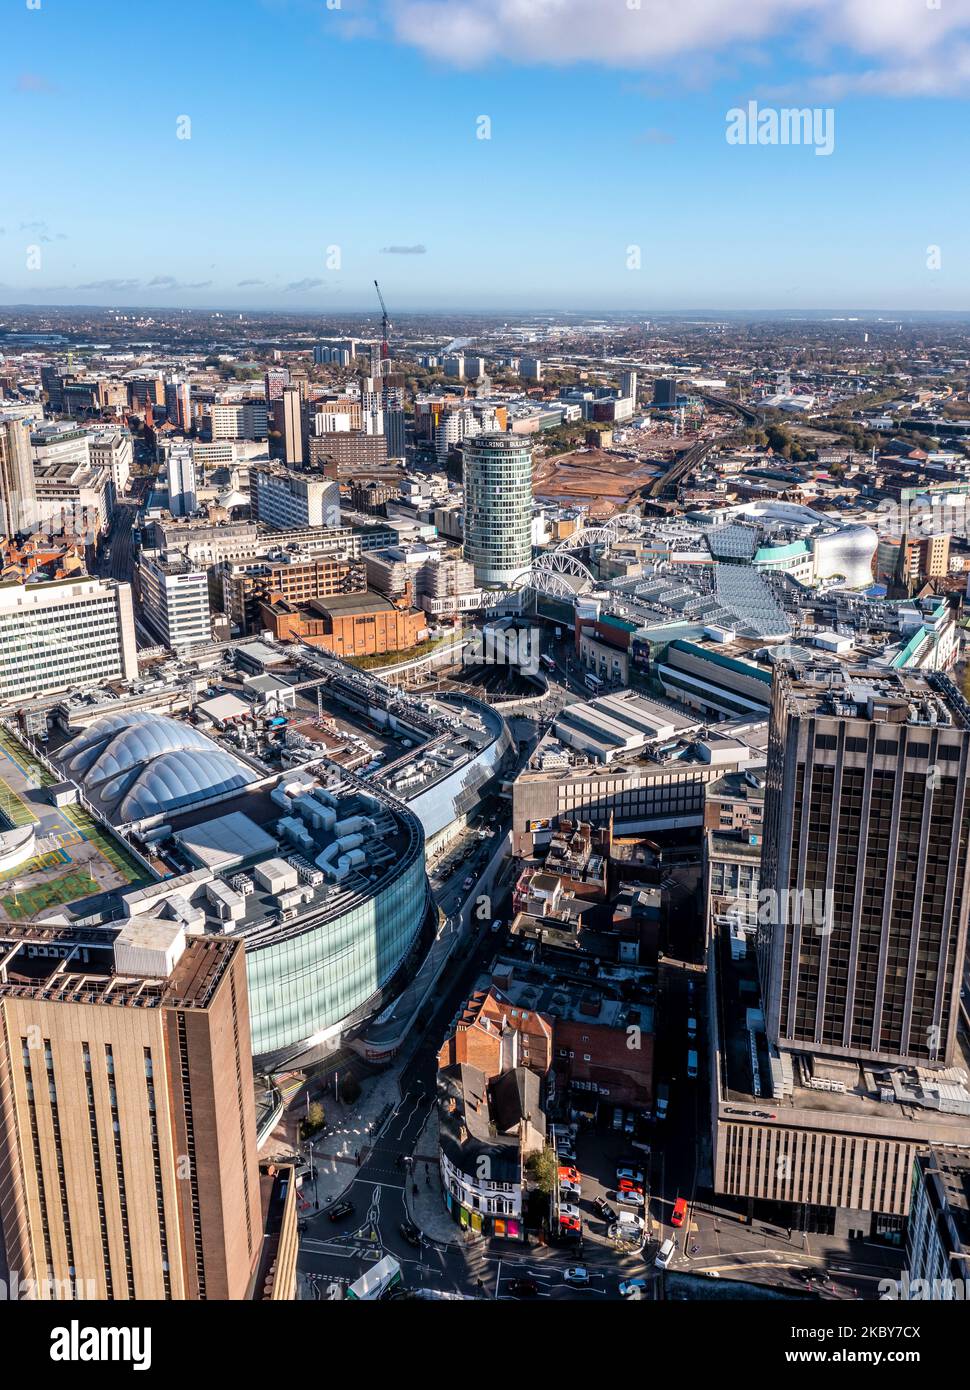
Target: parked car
{"points": [[570, 1224], [604, 1209], [629, 1199], [618, 1117], [567, 1173], [627, 1170], [629, 1229], [339, 1210], [577, 1275], [570, 1209], [629, 1123], [569, 1192], [627, 1185]]}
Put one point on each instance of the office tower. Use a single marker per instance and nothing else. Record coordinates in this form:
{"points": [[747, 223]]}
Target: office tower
{"points": [[288, 420], [498, 508], [455, 367], [864, 869], [128, 1164], [665, 392], [180, 472], [628, 386], [18, 496], [175, 599], [285, 500], [72, 632], [531, 369], [276, 381], [178, 404]]}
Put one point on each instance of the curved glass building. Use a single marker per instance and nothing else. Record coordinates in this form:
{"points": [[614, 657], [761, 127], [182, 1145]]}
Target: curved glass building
{"points": [[497, 471], [331, 922]]}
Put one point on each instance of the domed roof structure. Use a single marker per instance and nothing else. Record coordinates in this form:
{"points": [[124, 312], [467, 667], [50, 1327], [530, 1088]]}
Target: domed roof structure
{"points": [[138, 765]]}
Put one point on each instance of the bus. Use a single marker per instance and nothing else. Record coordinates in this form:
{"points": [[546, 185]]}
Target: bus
{"points": [[593, 682], [376, 1281], [547, 662]]}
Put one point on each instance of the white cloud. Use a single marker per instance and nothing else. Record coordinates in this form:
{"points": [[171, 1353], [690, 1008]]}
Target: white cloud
{"points": [[893, 46]]}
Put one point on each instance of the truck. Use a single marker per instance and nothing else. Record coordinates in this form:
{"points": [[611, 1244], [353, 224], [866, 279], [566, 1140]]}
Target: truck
{"points": [[663, 1096], [376, 1281]]}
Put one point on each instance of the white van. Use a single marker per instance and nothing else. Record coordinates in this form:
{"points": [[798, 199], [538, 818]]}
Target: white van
{"points": [[666, 1253]]}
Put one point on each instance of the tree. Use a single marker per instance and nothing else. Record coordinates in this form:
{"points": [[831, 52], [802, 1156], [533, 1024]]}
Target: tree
{"points": [[543, 1170], [314, 1120]]}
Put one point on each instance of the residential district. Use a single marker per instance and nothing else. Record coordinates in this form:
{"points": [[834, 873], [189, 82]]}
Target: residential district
{"points": [[484, 807]]}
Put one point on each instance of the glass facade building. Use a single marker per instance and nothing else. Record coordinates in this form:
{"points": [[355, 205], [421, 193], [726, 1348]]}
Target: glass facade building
{"points": [[309, 982], [497, 508]]}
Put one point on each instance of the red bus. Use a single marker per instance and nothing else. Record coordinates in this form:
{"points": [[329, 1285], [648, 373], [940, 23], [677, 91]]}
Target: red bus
{"points": [[679, 1212]]}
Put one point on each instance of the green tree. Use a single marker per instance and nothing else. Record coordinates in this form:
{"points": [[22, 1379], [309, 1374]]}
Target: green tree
{"points": [[543, 1170]]}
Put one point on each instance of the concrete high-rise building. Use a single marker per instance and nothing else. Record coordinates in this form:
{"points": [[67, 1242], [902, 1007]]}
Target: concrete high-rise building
{"points": [[276, 381], [531, 368], [498, 507], [175, 600], [864, 869], [286, 500], [128, 1165], [288, 420], [18, 496], [628, 386], [180, 472], [178, 404], [72, 632], [665, 392]]}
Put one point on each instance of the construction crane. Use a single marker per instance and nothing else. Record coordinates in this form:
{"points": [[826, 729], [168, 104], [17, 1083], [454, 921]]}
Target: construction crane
{"points": [[385, 324]]}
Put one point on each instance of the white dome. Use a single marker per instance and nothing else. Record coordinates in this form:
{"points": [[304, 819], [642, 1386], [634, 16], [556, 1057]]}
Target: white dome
{"points": [[141, 764]]}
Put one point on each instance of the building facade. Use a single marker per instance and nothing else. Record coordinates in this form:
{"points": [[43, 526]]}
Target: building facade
{"points": [[72, 632], [498, 508]]}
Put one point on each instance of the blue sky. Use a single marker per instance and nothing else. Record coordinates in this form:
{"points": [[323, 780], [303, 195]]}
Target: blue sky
{"points": [[355, 127]]}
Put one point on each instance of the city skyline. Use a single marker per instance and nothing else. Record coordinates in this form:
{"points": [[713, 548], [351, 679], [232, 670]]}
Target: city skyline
{"points": [[456, 165]]}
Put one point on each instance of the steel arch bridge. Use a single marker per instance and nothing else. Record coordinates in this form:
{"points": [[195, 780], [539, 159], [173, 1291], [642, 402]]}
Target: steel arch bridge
{"points": [[558, 575], [604, 533]]}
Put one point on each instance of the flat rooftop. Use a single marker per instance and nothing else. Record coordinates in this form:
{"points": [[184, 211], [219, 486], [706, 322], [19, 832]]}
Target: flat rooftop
{"points": [[76, 965], [874, 694]]}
